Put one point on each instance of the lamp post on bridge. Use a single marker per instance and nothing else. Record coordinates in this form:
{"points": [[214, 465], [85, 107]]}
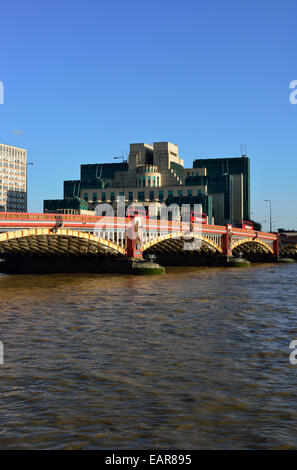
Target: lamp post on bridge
{"points": [[122, 176], [270, 219]]}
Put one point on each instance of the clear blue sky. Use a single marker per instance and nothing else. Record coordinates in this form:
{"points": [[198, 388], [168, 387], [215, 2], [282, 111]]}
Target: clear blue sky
{"points": [[83, 79]]}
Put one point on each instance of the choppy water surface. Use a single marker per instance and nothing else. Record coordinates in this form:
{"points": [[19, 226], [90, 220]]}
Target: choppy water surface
{"points": [[198, 358]]}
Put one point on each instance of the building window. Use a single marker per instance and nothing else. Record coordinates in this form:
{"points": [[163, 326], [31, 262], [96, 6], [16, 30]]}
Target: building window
{"points": [[94, 197], [139, 181], [131, 196], [170, 193], [103, 197], [152, 196], [149, 181], [189, 192], [144, 181], [158, 181], [141, 196], [154, 181], [112, 197], [180, 192], [161, 196], [86, 197]]}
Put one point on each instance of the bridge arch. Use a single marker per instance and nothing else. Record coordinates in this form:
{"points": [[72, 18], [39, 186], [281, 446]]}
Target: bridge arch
{"points": [[46, 241], [289, 250], [168, 240], [253, 243], [289, 245]]}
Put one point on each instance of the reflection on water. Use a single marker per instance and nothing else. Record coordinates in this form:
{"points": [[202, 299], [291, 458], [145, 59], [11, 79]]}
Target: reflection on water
{"points": [[198, 358]]}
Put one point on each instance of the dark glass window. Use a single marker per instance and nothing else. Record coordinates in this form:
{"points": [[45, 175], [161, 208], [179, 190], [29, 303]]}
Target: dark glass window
{"points": [[141, 196]]}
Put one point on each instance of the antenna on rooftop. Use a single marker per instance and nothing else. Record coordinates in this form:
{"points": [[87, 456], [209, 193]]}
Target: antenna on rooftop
{"points": [[243, 150]]}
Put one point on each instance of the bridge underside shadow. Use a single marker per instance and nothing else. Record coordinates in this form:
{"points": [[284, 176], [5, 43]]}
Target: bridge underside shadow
{"points": [[200, 251], [42, 251], [254, 251], [289, 251], [58, 264], [184, 252]]}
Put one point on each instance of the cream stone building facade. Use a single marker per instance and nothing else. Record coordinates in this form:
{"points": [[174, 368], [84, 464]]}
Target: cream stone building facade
{"points": [[13, 179], [154, 174]]}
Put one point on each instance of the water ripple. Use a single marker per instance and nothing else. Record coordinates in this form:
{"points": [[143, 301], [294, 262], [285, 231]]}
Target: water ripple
{"points": [[198, 358]]}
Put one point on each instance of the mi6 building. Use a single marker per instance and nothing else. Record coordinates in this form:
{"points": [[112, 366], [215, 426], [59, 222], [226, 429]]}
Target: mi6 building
{"points": [[155, 174]]}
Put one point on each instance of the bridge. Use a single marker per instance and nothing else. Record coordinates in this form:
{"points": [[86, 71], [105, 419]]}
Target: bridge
{"points": [[288, 245], [33, 234]]}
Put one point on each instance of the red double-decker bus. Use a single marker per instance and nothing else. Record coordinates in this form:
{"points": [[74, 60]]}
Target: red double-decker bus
{"points": [[247, 225], [198, 218]]}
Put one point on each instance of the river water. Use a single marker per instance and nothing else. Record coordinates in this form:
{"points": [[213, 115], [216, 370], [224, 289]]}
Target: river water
{"points": [[196, 358]]}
